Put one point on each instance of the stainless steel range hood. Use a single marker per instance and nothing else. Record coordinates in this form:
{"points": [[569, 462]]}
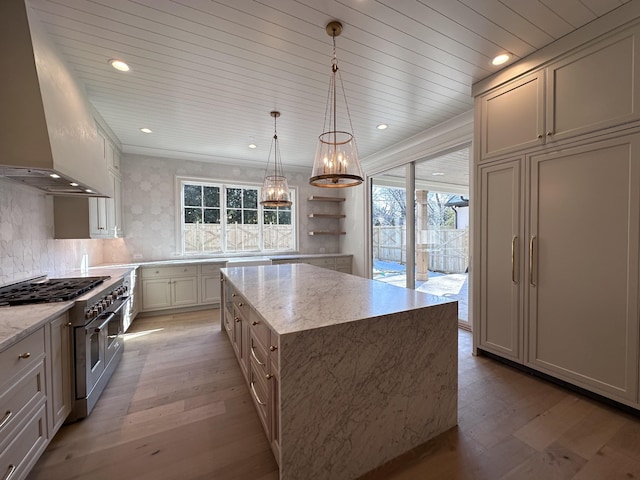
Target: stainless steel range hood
{"points": [[47, 128]]}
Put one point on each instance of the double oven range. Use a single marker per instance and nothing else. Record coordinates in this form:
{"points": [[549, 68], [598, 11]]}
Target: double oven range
{"points": [[97, 318]]}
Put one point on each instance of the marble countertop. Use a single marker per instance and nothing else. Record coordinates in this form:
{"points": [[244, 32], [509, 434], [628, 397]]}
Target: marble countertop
{"points": [[18, 322], [189, 260], [297, 297]]}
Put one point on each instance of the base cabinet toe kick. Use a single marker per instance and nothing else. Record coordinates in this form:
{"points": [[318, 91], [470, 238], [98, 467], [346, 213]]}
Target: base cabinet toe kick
{"points": [[339, 394]]}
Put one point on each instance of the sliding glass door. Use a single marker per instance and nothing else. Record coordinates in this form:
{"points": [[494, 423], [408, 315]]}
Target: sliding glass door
{"points": [[423, 243]]}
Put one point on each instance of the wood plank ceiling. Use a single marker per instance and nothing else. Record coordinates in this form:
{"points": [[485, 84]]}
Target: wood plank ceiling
{"points": [[206, 73]]}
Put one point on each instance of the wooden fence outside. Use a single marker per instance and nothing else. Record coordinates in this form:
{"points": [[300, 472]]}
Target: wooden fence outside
{"points": [[206, 237], [448, 248]]}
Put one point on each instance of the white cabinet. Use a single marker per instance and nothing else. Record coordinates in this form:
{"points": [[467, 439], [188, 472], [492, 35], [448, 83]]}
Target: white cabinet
{"points": [[169, 287], [501, 195], [23, 405], [591, 89], [512, 116], [105, 214], [257, 349], [210, 282], [557, 252], [95, 217], [340, 264], [59, 362], [135, 299], [559, 284], [583, 265]]}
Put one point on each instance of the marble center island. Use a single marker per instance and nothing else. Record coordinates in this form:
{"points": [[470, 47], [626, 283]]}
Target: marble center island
{"points": [[346, 373]]}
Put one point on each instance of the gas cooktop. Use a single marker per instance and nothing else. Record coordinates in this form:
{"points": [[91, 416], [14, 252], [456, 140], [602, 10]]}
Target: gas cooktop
{"points": [[50, 290]]}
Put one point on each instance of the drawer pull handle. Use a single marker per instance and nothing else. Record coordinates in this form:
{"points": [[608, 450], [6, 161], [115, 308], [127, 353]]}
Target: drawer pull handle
{"points": [[273, 348], [233, 294], [237, 319], [241, 304], [253, 354], [254, 323], [8, 414], [253, 389], [10, 471], [269, 376], [24, 355]]}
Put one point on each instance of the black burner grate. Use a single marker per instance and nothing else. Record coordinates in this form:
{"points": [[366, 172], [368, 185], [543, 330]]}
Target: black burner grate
{"points": [[51, 290]]}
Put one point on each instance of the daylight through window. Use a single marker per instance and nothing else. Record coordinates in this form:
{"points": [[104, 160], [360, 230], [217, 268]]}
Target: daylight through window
{"points": [[218, 217]]}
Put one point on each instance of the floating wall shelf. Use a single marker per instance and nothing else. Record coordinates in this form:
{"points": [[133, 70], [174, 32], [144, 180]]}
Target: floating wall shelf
{"points": [[333, 216]]}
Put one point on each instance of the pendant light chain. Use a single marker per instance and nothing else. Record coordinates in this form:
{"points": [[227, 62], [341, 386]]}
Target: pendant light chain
{"points": [[336, 162], [275, 189]]}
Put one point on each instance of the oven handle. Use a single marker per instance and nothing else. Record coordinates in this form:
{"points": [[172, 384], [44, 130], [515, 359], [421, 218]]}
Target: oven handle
{"points": [[105, 322]]}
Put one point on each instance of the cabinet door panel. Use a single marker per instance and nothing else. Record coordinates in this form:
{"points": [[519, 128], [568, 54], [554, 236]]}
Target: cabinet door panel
{"points": [[210, 288], [185, 291], [583, 298], [594, 88], [156, 294], [512, 117], [59, 385], [501, 259]]}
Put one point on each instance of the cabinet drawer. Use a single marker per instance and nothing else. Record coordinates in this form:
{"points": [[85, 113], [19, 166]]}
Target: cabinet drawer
{"points": [[260, 393], [12, 359], [174, 271], [211, 268], [228, 322], [27, 444], [343, 262], [259, 329], [259, 354], [21, 397], [322, 262], [239, 302]]}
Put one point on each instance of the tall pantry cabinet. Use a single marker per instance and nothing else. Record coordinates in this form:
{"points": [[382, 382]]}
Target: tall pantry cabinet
{"points": [[558, 217]]}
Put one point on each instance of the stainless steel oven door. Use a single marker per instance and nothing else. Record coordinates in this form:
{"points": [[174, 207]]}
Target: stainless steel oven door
{"points": [[95, 340], [98, 346]]}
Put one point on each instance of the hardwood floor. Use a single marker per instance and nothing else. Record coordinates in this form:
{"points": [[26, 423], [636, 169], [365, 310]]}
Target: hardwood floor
{"points": [[177, 408]]}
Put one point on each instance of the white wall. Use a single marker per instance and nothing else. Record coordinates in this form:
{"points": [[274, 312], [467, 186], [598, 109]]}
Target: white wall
{"points": [[149, 201]]}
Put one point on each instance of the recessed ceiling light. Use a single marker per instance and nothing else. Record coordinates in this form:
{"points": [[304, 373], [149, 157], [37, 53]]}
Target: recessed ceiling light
{"points": [[73, 184], [88, 190], [437, 174], [382, 126], [119, 65], [500, 59], [146, 130], [252, 145], [54, 175]]}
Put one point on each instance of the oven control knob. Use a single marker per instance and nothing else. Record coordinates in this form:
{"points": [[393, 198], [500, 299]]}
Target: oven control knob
{"points": [[88, 314]]}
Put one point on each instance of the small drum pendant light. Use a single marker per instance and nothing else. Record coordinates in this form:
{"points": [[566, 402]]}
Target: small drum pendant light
{"points": [[275, 189]]}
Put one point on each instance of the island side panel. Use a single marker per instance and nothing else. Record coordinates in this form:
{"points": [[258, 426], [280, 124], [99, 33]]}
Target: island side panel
{"points": [[356, 395]]}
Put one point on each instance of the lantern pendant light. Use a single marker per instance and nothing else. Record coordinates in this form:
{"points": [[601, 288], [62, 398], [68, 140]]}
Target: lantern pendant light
{"points": [[336, 162], [275, 189]]}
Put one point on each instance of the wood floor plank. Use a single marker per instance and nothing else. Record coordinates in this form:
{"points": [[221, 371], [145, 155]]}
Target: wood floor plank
{"points": [[178, 407]]}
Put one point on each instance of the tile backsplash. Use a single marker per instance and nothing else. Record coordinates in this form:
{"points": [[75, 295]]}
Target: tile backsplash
{"points": [[27, 247]]}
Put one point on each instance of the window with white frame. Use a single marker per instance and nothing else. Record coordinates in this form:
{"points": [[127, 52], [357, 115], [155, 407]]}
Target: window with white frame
{"points": [[218, 217]]}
